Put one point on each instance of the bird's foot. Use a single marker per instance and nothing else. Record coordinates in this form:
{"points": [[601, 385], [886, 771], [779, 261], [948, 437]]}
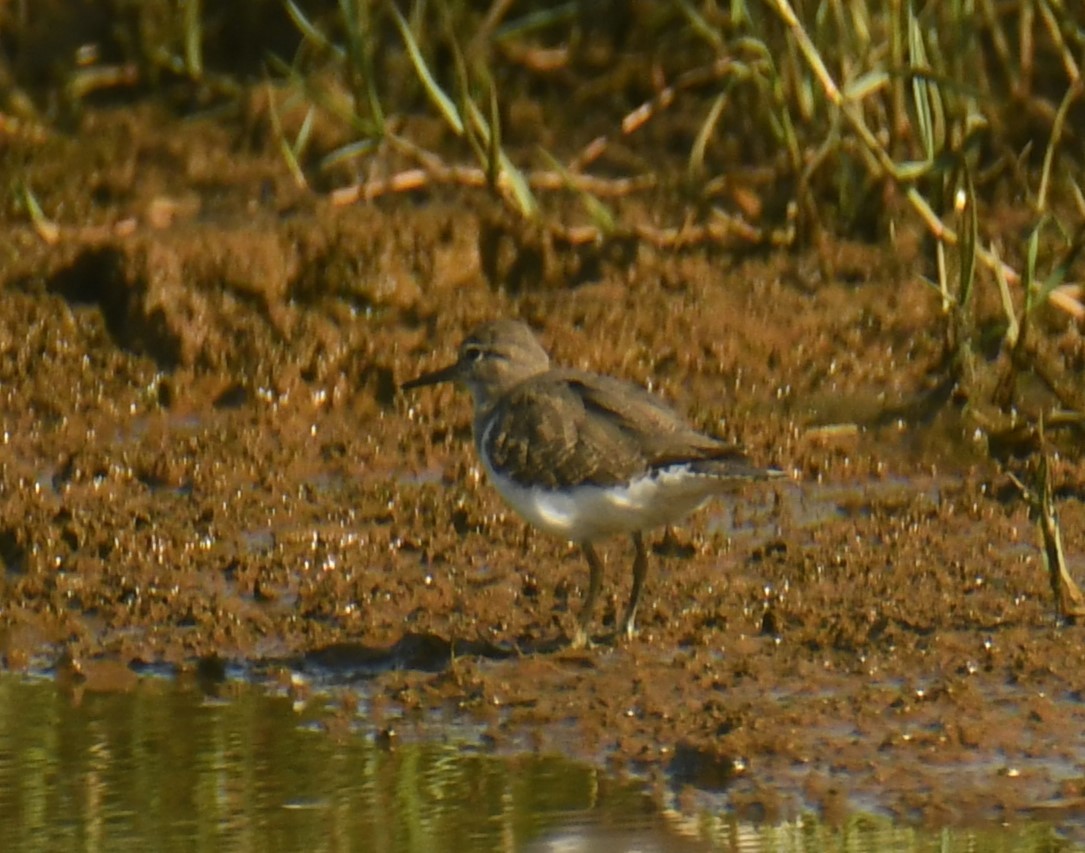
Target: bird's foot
{"points": [[581, 639]]}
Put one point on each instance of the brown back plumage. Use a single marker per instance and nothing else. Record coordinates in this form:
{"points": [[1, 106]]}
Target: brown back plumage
{"points": [[565, 428], [559, 428]]}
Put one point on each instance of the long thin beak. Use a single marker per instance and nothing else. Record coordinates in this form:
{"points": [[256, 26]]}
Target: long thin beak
{"points": [[445, 374]]}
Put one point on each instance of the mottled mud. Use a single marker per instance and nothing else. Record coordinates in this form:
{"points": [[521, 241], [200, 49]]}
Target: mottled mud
{"points": [[205, 462]]}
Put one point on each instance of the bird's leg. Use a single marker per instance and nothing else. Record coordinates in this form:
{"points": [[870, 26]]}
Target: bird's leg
{"points": [[640, 571], [595, 581]]}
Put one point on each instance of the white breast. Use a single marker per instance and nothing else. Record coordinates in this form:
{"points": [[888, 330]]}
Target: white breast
{"points": [[586, 513]]}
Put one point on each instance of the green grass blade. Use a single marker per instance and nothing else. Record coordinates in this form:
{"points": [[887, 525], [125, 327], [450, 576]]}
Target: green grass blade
{"points": [[359, 27], [440, 99], [193, 39], [700, 26], [1058, 275], [292, 163], [600, 214], [533, 21], [518, 183], [704, 134], [969, 242], [1028, 277], [301, 141], [309, 30], [1013, 327], [1072, 93], [46, 228], [865, 85], [921, 91]]}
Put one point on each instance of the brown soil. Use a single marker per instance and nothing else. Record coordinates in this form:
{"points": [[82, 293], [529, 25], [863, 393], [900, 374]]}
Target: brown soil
{"points": [[205, 460]]}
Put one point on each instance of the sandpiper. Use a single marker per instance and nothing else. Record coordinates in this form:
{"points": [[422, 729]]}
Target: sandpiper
{"points": [[585, 456]]}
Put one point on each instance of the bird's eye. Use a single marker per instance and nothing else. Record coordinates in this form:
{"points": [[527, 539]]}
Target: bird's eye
{"points": [[472, 353]]}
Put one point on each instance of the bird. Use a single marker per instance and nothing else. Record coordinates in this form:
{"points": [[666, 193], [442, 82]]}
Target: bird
{"points": [[585, 456]]}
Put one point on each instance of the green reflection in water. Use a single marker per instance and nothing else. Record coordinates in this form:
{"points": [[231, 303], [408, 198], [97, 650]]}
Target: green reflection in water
{"points": [[162, 768]]}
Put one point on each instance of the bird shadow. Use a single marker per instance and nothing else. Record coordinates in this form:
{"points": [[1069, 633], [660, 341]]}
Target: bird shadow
{"points": [[421, 652]]}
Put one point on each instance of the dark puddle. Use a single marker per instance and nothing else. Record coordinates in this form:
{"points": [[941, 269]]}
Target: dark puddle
{"points": [[164, 765], [344, 662]]}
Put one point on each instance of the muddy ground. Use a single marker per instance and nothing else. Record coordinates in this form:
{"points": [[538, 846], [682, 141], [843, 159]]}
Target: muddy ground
{"points": [[206, 462]]}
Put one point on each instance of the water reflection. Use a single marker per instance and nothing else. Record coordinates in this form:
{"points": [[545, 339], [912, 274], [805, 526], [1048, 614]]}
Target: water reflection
{"points": [[163, 767]]}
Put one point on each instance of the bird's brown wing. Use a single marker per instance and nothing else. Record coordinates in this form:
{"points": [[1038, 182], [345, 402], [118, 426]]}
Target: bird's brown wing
{"points": [[663, 436], [567, 428]]}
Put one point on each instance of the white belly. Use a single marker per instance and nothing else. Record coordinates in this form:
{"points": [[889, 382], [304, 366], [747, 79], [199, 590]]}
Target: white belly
{"points": [[586, 513]]}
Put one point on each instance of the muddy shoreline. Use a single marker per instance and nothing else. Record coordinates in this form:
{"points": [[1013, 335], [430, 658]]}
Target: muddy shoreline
{"points": [[205, 463]]}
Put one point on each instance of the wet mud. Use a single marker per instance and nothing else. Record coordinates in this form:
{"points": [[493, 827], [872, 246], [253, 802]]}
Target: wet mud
{"points": [[205, 464]]}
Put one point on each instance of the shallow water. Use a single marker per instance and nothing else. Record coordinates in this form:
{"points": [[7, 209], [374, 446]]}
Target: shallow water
{"points": [[165, 766]]}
